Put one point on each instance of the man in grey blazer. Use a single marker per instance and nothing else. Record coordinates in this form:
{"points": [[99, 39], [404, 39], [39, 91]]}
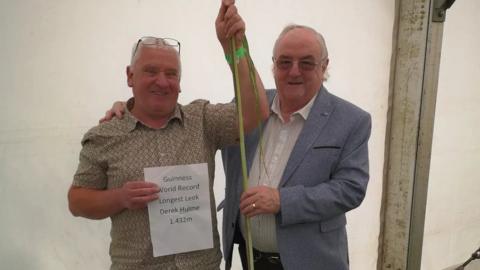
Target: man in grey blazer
{"points": [[313, 167]]}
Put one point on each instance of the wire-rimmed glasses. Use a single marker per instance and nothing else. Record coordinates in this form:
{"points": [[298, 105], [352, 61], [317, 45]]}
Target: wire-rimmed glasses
{"points": [[303, 64]]}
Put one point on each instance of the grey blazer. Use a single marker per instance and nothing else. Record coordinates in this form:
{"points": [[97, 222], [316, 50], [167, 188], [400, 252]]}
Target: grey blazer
{"points": [[326, 176]]}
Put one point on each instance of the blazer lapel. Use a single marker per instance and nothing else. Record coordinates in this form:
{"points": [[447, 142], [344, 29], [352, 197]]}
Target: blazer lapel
{"points": [[316, 120]]}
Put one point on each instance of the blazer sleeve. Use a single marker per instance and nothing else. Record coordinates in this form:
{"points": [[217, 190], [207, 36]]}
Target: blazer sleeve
{"points": [[344, 189]]}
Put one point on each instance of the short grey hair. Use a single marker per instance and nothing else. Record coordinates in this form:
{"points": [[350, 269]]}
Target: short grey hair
{"points": [[318, 36], [138, 46]]}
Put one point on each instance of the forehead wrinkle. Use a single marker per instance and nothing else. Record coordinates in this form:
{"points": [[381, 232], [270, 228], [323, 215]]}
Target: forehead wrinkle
{"points": [[140, 50], [287, 57], [157, 57]]}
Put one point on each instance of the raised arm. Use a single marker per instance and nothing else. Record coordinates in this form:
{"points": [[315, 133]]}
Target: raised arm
{"points": [[229, 24]]}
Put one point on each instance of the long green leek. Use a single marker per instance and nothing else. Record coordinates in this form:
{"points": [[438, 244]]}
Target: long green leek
{"points": [[238, 99]]}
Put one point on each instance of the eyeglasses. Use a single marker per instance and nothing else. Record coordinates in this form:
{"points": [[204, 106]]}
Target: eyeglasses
{"points": [[303, 64], [158, 42]]}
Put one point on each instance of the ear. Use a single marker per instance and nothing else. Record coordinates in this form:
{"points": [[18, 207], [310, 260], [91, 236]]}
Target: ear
{"points": [[129, 76], [325, 65]]}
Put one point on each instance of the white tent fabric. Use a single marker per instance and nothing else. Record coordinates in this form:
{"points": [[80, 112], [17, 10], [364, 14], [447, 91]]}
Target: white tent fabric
{"points": [[63, 64]]}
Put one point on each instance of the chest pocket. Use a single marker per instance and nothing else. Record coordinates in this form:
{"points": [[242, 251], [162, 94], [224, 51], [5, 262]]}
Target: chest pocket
{"points": [[321, 161]]}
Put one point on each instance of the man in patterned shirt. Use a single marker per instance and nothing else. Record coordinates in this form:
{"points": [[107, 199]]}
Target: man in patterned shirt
{"points": [[157, 131]]}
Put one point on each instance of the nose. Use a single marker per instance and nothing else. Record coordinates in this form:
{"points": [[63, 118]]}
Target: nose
{"points": [[161, 79], [295, 69]]}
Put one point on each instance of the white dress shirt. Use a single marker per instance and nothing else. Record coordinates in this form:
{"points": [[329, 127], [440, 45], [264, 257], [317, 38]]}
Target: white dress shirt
{"points": [[279, 138]]}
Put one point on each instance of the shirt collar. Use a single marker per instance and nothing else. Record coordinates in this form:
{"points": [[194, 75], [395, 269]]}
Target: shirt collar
{"points": [[131, 122], [303, 112]]}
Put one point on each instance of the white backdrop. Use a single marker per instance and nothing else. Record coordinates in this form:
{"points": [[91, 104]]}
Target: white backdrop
{"points": [[452, 222], [63, 64]]}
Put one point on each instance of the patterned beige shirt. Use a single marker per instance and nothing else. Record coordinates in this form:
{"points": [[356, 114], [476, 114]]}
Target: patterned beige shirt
{"points": [[117, 151]]}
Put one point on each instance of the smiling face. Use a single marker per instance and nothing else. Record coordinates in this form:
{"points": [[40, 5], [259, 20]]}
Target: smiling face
{"points": [[297, 84], [155, 81]]}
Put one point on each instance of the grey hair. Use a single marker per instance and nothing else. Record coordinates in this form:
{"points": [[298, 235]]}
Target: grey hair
{"points": [[138, 46], [318, 36]]}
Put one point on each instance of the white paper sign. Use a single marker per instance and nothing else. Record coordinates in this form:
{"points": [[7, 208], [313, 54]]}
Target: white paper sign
{"points": [[180, 220]]}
